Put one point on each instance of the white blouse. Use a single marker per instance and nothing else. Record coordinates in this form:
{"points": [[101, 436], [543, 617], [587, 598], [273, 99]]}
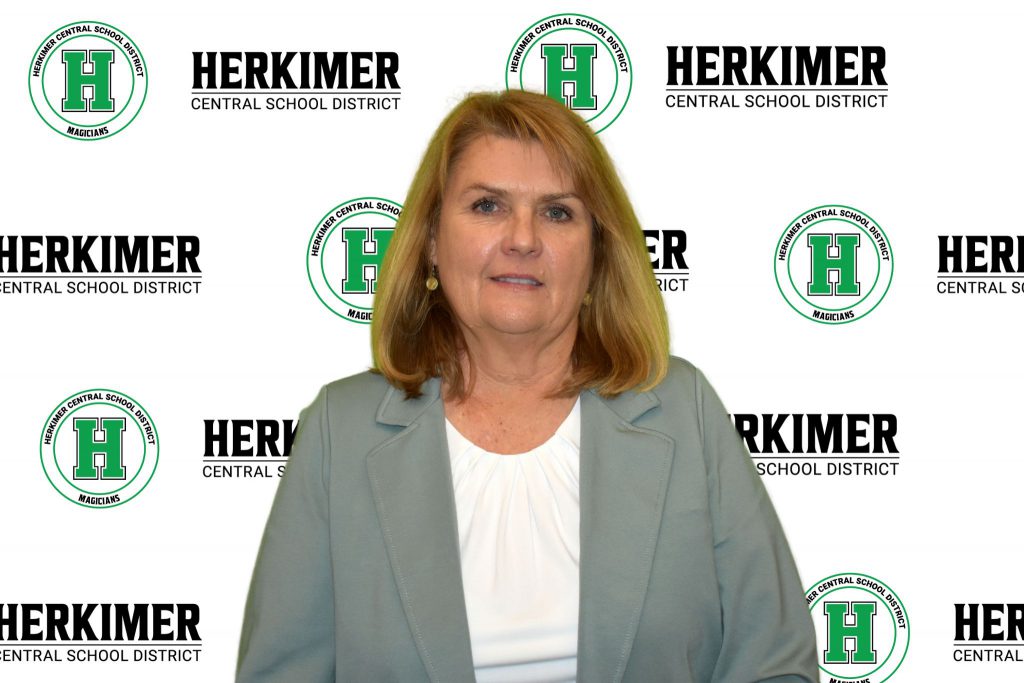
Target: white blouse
{"points": [[519, 538]]}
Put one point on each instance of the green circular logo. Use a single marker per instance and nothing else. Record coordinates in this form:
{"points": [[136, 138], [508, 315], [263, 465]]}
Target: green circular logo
{"points": [[345, 252], [99, 448], [88, 80], [576, 60], [833, 264], [862, 627]]}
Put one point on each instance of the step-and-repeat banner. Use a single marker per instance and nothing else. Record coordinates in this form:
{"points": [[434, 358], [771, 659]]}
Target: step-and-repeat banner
{"points": [[196, 201]]}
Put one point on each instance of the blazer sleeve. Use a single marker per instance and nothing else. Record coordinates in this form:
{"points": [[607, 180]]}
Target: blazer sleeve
{"points": [[767, 630], [288, 632]]}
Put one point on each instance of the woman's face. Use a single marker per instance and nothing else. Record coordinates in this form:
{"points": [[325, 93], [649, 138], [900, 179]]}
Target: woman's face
{"points": [[514, 247]]}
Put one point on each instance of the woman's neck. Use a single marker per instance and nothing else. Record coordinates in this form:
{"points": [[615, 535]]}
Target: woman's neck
{"points": [[508, 406], [516, 368]]}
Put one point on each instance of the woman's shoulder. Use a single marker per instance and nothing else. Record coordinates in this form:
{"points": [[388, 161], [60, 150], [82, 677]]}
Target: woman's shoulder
{"points": [[678, 389], [350, 410], [685, 390], [681, 382], [368, 395], [363, 391], [359, 384]]}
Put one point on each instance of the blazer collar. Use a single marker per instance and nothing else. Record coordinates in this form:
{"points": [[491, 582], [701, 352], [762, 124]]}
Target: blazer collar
{"points": [[624, 472]]}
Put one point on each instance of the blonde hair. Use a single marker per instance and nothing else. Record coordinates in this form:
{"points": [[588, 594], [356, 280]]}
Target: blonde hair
{"points": [[622, 337]]}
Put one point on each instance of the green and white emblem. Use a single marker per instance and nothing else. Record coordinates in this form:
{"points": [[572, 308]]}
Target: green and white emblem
{"points": [[833, 264], [99, 448], [88, 80], [345, 252], [862, 627], [576, 60]]}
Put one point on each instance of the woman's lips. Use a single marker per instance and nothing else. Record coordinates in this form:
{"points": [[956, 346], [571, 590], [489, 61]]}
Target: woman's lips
{"points": [[517, 280]]}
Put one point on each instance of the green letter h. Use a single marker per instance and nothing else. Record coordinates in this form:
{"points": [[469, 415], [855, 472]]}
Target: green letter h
{"points": [[356, 257], [861, 631], [581, 75], [76, 79], [89, 447], [845, 263]]}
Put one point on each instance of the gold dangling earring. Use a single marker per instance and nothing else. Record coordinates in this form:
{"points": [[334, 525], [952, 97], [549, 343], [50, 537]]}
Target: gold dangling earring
{"points": [[587, 299], [432, 282]]}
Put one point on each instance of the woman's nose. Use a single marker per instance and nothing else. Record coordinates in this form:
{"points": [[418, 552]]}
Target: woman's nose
{"points": [[522, 236]]}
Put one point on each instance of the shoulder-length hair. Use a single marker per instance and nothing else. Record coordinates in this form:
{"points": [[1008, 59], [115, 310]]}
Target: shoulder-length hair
{"points": [[622, 337]]}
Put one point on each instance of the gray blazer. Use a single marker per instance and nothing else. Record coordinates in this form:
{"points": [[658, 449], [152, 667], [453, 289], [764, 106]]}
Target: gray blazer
{"points": [[685, 574]]}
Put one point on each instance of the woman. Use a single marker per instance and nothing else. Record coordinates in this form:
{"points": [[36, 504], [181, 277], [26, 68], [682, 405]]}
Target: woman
{"points": [[528, 488]]}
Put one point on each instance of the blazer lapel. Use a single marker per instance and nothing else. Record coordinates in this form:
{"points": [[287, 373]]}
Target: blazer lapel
{"points": [[624, 472], [411, 479]]}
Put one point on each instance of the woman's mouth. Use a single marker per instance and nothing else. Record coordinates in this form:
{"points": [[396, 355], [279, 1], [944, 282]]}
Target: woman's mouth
{"points": [[517, 280]]}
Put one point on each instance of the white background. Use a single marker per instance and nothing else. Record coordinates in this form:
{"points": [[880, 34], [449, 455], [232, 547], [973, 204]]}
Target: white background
{"points": [[943, 157]]}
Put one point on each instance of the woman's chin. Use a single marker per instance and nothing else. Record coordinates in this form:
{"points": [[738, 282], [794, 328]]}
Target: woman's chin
{"points": [[517, 322], [525, 324]]}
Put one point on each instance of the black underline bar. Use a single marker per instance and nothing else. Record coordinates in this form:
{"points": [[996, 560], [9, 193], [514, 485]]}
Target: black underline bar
{"points": [[825, 457], [988, 644], [823, 89], [280, 93], [139, 643], [102, 277], [978, 277]]}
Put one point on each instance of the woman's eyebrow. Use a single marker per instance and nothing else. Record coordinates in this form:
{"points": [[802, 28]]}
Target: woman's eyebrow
{"points": [[552, 197], [486, 188], [559, 195]]}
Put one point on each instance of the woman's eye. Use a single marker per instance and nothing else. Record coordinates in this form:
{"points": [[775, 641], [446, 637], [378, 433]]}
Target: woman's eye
{"points": [[486, 206], [559, 213]]}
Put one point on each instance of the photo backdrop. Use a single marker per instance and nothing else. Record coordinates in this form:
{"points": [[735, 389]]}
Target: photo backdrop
{"points": [[195, 200]]}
